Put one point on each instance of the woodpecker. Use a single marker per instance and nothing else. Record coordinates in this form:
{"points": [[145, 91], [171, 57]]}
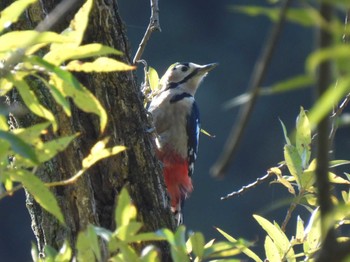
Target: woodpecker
{"points": [[175, 116]]}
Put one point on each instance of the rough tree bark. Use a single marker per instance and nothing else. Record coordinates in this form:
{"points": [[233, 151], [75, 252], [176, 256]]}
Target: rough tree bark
{"points": [[91, 200]]}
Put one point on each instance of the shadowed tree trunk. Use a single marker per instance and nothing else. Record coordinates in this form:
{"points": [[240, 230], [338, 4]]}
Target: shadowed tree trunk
{"points": [[91, 200]]}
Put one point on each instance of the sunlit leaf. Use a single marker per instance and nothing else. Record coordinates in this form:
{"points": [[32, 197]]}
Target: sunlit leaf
{"points": [[32, 102], [291, 84], [207, 133], [98, 152], [5, 86], [19, 146], [32, 133], [150, 254], [125, 211], [50, 149], [65, 253], [22, 39], [222, 249], [303, 138], [276, 234], [335, 163], [293, 161], [197, 243], [341, 51], [101, 64], [246, 251], [282, 180], [285, 133], [42, 195], [57, 57], [12, 13], [306, 16], [333, 178], [326, 102], [313, 233], [299, 235], [271, 250], [77, 27], [68, 85], [57, 95], [153, 79], [88, 248], [179, 252]]}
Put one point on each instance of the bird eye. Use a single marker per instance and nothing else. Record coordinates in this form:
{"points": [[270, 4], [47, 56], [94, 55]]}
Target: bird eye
{"points": [[184, 68]]}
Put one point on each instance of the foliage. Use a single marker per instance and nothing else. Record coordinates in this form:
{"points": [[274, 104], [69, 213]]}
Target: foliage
{"points": [[122, 241], [20, 63]]}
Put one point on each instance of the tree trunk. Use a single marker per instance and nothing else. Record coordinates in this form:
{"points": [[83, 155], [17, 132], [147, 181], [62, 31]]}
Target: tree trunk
{"points": [[91, 200]]}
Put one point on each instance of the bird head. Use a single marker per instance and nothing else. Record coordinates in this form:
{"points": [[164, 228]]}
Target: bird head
{"points": [[186, 76]]}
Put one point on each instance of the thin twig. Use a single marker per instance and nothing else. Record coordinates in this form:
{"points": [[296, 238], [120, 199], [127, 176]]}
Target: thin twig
{"points": [[258, 75], [152, 26], [244, 189]]}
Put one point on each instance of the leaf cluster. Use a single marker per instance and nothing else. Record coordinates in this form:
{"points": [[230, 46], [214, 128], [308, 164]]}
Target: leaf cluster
{"points": [[23, 150]]}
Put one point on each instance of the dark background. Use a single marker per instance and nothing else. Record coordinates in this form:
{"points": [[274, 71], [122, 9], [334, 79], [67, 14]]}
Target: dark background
{"points": [[204, 32]]}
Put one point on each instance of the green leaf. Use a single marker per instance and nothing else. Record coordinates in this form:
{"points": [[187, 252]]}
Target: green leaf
{"points": [[57, 95], [335, 52], [19, 146], [5, 86], [101, 64], [68, 85], [293, 161], [150, 254], [35, 253], [57, 57], [32, 133], [275, 233], [303, 138], [65, 253], [325, 103], [313, 233], [271, 251], [285, 133], [50, 149], [306, 16], [42, 195], [221, 249], [125, 211], [299, 235], [292, 84], [22, 39], [32, 102], [75, 31], [127, 231], [335, 163], [151, 236], [246, 250], [179, 251], [153, 79], [87, 246], [333, 178], [206, 133], [11, 14], [197, 243], [98, 152]]}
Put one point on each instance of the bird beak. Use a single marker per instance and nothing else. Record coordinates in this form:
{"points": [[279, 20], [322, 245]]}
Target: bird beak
{"points": [[206, 68]]}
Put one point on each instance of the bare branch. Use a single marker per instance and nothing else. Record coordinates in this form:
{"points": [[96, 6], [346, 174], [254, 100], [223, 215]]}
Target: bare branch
{"points": [[152, 26], [244, 189], [259, 72]]}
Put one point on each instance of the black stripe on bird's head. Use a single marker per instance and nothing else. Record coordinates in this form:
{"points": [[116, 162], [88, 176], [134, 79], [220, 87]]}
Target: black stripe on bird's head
{"points": [[187, 76]]}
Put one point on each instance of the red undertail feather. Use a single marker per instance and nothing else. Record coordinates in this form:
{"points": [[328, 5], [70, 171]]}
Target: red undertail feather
{"points": [[177, 180]]}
